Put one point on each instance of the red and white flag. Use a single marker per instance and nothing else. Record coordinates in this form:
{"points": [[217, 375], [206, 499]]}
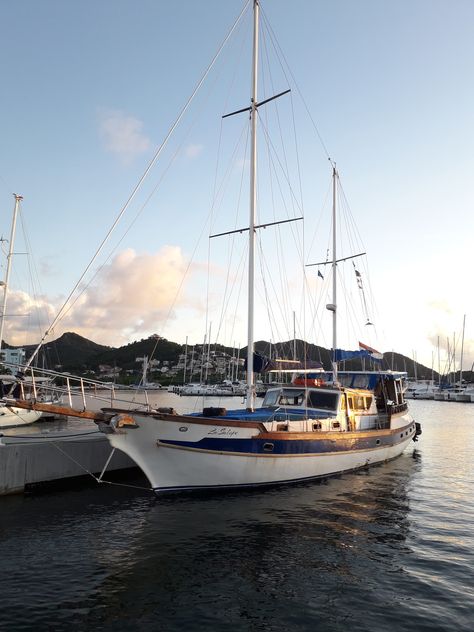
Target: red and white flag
{"points": [[376, 354]]}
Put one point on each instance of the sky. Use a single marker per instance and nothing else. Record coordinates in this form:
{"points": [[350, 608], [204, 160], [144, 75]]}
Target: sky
{"points": [[91, 90]]}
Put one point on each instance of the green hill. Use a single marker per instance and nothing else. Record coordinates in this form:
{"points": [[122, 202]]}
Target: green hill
{"points": [[76, 354]]}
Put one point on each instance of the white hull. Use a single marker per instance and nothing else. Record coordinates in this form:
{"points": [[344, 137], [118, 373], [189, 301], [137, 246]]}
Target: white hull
{"points": [[417, 390], [206, 390], [423, 395], [173, 467], [12, 417]]}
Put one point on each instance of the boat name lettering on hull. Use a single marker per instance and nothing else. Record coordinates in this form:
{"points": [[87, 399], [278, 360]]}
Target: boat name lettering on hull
{"points": [[222, 432]]}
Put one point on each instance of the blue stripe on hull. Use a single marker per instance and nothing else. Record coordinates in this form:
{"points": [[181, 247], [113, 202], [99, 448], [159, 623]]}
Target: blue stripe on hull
{"points": [[290, 446]]}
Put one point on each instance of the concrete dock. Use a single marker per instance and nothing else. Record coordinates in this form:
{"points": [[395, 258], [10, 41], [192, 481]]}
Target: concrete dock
{"points": [[54, 451]]}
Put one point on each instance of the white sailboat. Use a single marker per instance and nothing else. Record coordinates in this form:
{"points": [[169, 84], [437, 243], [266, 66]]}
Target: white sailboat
{"points": [[144, 384], [12, 416], [422, 389], [325, 423]]}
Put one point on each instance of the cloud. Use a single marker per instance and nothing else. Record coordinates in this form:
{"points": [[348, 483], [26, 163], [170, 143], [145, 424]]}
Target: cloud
{"points": [[26, 318], [193, 151], [122, 135], [133, 296], [446, 332], [440, 305]]}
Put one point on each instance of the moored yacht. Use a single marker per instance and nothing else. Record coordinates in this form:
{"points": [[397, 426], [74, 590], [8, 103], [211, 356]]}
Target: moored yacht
{"points": [[465, 395], [27, 389], [324, 423], [421, 390], [299, 433]]}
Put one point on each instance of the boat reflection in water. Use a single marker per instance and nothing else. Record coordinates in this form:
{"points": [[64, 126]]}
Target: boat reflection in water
{"points": [[242, 558]]}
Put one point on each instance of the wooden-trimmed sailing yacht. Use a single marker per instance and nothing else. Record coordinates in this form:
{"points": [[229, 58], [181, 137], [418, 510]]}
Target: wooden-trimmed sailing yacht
{"points": [[330, 423], [325, 423]]}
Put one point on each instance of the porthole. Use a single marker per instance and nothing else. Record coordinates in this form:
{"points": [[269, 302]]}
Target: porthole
{"points": [[377, 442], [268, 447], [183, 428]]}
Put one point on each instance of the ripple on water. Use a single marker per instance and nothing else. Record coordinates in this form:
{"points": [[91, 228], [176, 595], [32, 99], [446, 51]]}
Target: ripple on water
{"points": [[385, 549]]}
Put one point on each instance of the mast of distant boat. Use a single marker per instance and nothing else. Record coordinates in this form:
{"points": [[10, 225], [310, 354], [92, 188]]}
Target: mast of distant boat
{"points": [[185, 360], [18, 199], [462, 350]]}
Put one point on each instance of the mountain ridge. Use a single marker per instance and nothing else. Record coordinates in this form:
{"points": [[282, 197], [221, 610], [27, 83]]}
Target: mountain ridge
{"points": [[72, 352]]}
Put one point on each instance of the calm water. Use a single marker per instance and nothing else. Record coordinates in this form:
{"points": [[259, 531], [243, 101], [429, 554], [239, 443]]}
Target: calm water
{"points": [[391, 548]]}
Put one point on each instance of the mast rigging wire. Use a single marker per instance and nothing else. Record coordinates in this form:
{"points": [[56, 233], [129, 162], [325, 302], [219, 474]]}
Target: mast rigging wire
{"points": [[140, 182]]}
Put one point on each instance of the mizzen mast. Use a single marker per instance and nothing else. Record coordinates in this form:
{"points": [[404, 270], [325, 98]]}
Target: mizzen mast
{"points": [[333, 306]]}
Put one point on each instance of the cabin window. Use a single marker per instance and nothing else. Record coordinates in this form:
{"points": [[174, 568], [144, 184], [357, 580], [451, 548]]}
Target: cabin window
{"points": [[317, 425], [360, 402], [389, 387], [281, 427], [399, 391], [323, 400], [290, 401], [271, 397], [283, 397], [291, 398]]}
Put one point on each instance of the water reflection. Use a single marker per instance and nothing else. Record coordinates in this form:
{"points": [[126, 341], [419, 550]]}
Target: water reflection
{"points": [[386, 548], [245, 556]]}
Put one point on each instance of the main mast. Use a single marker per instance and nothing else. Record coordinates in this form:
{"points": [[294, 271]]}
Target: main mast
{"points": [[253, 204], [252, 109], [5, 283]]}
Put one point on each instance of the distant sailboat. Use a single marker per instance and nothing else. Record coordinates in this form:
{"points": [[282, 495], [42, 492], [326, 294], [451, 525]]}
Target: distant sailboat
{"points": [[12, 416]]}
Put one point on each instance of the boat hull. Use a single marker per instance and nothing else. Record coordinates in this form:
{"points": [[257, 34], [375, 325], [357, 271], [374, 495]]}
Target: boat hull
{"points": [[13, 417], [178, 455]]}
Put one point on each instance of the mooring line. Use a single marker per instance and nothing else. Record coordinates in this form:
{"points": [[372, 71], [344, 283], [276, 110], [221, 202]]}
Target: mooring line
{"points": [[99, 479]]}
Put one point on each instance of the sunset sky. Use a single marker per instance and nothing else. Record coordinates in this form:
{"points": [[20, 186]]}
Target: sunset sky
{"points": [[90, 91]]}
